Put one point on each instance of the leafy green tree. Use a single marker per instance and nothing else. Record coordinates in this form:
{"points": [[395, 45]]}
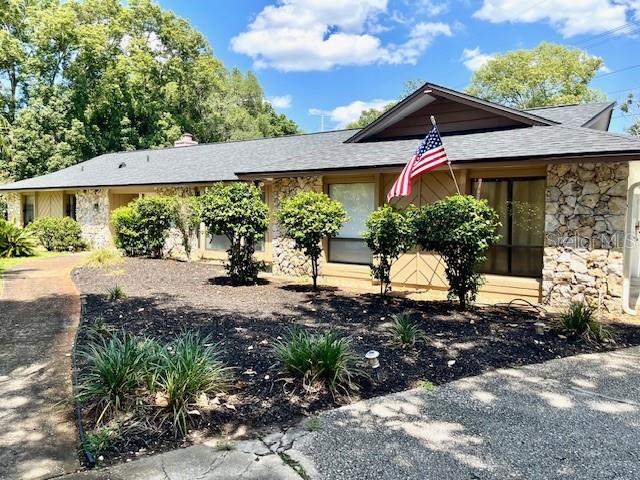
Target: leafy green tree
{"points": [[141, 228], [81, 78], [368, 116], [461, 229], [389, 234], [187, 216], [546, 75], [629, 106], [307, 218], [238, 212]]}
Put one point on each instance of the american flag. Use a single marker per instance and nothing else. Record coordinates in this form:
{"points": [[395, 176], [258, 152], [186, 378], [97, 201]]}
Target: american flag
{"points": [[430, 154]]}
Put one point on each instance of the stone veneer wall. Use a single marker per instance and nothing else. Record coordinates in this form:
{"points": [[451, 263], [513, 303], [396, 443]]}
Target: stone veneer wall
{"points": [[14, 207], [286, 259], [585, 213], [92, 212]]}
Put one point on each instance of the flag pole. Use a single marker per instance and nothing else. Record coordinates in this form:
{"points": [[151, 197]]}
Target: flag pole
{"points": [[455, 181]]}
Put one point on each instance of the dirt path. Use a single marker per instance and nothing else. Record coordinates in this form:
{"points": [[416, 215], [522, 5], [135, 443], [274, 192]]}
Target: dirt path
{"points": [[39, 314]]}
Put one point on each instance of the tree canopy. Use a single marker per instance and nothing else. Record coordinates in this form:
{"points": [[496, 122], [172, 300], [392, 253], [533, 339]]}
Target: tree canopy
{"points": [[80, 78], [546, 75]]}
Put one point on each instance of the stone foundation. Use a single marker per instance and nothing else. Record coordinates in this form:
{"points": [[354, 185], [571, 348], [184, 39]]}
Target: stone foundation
{"points": [[286, 259], [585, 213], [92, 213]]}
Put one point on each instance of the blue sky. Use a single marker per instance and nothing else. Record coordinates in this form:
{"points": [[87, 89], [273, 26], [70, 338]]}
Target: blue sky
{"points": [[340, 56]]}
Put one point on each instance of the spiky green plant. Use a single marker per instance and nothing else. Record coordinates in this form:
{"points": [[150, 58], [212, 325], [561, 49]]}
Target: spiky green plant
{"points": [[404, 329], [116, 293], [319, 357], [16, 241], [580, 319], [116, 367], [190, 366]]}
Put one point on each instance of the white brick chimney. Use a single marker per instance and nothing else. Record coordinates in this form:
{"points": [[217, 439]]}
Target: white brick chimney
{"points": [[185, 140]]}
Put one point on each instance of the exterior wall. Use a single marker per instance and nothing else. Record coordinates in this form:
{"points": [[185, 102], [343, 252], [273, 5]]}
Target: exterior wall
{"points": [[14, 207], [92, 212], [585, 213], [286, 259]]}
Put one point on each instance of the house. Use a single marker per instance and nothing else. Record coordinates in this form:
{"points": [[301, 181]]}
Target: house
{"points": [[564, 187]]}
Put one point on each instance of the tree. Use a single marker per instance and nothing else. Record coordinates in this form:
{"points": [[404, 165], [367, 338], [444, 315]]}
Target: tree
{"points": [[238, 212], [546, 75], [389, 234], [187, 216], [460, 228], [81, 78], [307, 218], [628, 106]]}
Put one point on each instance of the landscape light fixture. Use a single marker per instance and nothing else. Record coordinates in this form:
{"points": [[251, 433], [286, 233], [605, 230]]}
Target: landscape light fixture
{"points": [[372, 357]]}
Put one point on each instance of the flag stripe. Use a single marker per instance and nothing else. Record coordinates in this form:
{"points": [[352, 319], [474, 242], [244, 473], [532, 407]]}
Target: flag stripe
{"points": [[430, 154]]}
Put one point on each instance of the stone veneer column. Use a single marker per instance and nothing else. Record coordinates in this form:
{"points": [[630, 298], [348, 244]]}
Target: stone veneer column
{"points": [[14, 207], [585, 212], [92, 213], [286, 259]]}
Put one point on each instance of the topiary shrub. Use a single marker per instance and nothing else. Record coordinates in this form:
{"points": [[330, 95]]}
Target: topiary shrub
{"points": [[58, 234], [460, 228], [16, 241], [237, 211], [142, 227], [307, 218], [389, 234]]}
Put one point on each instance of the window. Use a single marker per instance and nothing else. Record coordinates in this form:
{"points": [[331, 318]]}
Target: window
{"points": [[70, 206], [28, 209], [519, 203], [358, 199]]}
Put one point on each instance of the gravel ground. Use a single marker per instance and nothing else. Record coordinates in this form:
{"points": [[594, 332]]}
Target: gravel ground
{"points": [[164, 297]]}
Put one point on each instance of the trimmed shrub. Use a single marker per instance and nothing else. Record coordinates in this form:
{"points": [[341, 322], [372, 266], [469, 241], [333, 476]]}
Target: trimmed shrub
{"points": [[580, 319], [461, 229], [307, 218], [319, 357], [58, 234], [389, 234], [16, 241], [238, 212], [142, 227]]}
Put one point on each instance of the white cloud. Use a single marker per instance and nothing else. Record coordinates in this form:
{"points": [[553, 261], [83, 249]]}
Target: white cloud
{"points": [[473, 58], [343, 115], [569, 17], [303, 35], [283, 101]]}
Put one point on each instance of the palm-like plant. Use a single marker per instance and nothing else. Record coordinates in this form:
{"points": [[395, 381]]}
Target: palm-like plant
{"points": [[16, 241]]}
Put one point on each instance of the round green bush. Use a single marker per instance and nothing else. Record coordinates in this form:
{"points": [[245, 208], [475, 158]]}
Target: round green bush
{"points": [[58, 234]]}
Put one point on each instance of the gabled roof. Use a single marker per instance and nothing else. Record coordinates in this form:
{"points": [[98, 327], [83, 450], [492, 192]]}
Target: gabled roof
{"points": [[428, 93], [576, 115]]}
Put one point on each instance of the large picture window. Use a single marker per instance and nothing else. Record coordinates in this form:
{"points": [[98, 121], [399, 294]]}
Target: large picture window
{"points": [[519, 203], [358, 199]]}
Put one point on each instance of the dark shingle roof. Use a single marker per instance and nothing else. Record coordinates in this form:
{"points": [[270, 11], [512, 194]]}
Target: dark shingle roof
{"points": [[573, 115], [207, 163]]}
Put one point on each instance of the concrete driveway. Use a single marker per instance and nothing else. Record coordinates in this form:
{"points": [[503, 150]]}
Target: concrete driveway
{"points": [[570, 418], [39, 314]]}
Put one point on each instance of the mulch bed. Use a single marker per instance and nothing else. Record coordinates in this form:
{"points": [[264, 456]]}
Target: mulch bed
{"points": [[165, 297]]}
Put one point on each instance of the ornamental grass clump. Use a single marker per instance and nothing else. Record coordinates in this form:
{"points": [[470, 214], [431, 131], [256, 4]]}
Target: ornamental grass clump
{"points": [[323, 358], [404, 330], [116, 368], [116, 293], [189, 367], [580, 319], [104, 258]]}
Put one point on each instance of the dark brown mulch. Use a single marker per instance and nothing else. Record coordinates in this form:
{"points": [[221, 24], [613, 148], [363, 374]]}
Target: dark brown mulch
{"points": [[166, 297]]}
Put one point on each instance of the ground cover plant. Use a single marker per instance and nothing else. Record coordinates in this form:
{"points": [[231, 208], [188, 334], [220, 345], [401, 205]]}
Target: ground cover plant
{"points": [[245, 324]]}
